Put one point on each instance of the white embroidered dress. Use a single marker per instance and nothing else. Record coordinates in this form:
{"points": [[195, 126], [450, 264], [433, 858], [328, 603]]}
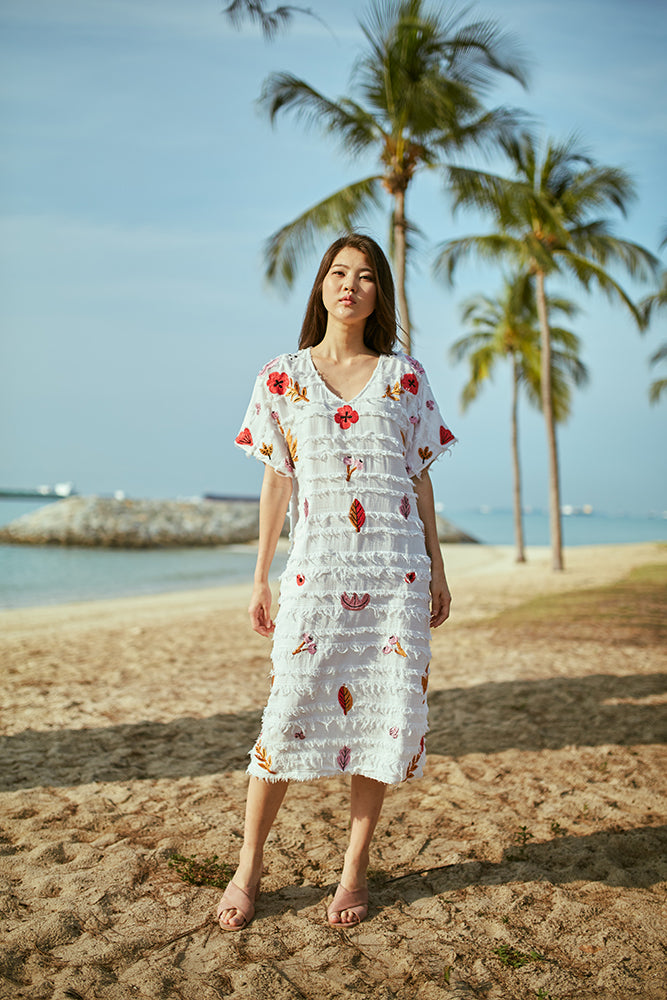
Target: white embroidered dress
{"points": [[351, 647]]}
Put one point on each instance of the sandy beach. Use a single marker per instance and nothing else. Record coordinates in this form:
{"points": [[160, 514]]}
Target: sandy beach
{"points": [[530, 862]]}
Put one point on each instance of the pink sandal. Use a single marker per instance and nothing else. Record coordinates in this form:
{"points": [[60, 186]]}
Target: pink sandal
{"points": [[234, 898], [346, 899]]}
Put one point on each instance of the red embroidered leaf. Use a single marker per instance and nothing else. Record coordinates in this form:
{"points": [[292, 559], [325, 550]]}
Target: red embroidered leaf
{"points": [[244, 436], [345, 699], [357, 515], [343, 758]]}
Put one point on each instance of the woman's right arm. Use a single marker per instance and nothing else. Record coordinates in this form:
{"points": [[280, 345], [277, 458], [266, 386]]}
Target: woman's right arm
{"points": [[273, 503]]}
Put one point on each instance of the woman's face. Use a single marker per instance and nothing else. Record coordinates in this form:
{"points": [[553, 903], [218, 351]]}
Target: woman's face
{"points": [[348, 289]]}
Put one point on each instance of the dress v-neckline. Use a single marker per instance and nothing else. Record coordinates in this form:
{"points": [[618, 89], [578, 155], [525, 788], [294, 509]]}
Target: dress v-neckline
{"points": [[321, 379]]}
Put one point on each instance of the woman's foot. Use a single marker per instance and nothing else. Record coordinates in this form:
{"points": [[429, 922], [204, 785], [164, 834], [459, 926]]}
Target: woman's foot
{"points": [[350, 905], [237, 906]]}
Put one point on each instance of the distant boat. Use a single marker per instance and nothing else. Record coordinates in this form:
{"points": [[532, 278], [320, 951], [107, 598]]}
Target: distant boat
{"points": [[57, 492]]}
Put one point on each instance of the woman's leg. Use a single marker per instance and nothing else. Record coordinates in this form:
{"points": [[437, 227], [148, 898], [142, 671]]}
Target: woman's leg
{"points": [[262, 805], [366, 798]]}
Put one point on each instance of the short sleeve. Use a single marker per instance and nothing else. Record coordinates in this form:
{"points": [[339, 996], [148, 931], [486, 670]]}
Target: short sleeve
{"points": [[429, 436], [263, 433]]}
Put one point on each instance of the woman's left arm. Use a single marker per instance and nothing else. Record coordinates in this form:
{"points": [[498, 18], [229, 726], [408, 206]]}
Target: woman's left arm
{"points": [[441, 598]]}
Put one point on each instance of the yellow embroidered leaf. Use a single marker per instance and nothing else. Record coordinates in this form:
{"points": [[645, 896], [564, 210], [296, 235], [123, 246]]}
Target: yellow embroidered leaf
{"points": [[394, 391], [425, 454], [412, 766], [266, 449], [296, 392], [291, 445], [399, 649], [263, 759], [345, 699]]}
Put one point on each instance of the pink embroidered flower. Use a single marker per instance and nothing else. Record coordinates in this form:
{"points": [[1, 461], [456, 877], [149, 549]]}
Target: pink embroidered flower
{"points": [[278, 383], [299, 735], [410, 383], [415, 420], [393, 732], [348, 460], [244, 436], [445, 435], [415, 364], [267, 366], [305, 508], [275, 416], [345, 416], [430, 405]]}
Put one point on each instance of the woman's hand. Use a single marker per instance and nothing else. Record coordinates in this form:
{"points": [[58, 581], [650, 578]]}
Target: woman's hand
{"points": [[441, 598], [259, 610]]}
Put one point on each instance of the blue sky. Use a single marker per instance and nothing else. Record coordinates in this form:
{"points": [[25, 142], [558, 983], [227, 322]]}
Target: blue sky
{"points": [[138, 182]]}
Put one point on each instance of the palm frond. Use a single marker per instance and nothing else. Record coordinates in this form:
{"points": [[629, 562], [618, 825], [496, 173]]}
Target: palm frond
{"points": [[270, 21], [495, 246], [286, 249], [656, 390]]}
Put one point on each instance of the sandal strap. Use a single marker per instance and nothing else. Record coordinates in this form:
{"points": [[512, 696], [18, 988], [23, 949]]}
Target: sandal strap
{"points": [[234, 898], [349, 899]]}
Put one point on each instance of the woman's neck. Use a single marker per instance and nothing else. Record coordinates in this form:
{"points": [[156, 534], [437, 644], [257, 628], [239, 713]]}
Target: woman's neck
{"points": [[342, 341]]}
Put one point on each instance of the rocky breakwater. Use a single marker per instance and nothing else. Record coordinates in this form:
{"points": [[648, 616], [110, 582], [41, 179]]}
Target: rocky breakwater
{"points": [[151, 524], [135, 524]]}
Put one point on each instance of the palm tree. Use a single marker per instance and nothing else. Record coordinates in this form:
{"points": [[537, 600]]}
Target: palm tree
{"points": [[547, 224], [507, 328], [270, 21], [418, 98], [649, 305]]}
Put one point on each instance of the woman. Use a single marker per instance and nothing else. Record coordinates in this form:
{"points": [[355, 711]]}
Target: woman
{"points": [[347, 430]]}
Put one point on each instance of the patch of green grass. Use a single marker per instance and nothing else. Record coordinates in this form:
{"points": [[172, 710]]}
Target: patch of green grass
{"points": [[208, 871], [630, 611], [557, 829], [512, 958], [543, 995]]}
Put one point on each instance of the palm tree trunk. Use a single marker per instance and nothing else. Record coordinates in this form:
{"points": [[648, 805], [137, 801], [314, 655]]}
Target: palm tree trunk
{"points": [[518, 517], [550, 423], [400, 255]]}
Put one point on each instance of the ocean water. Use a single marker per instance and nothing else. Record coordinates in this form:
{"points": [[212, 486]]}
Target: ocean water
{"points": [[34, 575]]}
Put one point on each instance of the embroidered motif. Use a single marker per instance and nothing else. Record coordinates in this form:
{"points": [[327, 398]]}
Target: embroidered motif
{"points": [[346, 416], [393, 732], [244, 436], [291, 447], [305, 508], [393, 392], [278, 383], [299, 735], [345, 699], [425, 681], [300, 579], [357, 515], [354, 602], [415, 364], [266, 449], [394, 646], [307, 643], [445, 435], [404, 507], [410, 577], [352, 464], [430, 405], [343, 758], [296, 393], [262, 758], [425, 454], [410, 383]]}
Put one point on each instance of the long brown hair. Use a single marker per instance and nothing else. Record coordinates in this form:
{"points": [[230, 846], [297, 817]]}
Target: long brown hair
{"points": [[380, 330]]}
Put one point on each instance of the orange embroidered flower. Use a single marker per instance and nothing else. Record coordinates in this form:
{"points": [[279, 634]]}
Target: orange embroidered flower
{"points": [[345, 416], [410, 383], [244, 436], [278, 383]]}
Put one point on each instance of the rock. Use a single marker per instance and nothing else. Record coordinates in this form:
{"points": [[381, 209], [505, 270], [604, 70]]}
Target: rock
{"points": [[135, 524], [448, 532], [151, 524]]}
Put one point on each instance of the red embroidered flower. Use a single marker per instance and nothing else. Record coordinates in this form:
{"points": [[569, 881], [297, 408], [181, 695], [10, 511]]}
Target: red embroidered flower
{"points": [[445, 435], [345, 416], [300, 579], [244, 436], [410, 383], [278, 382], [410, 577]]}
